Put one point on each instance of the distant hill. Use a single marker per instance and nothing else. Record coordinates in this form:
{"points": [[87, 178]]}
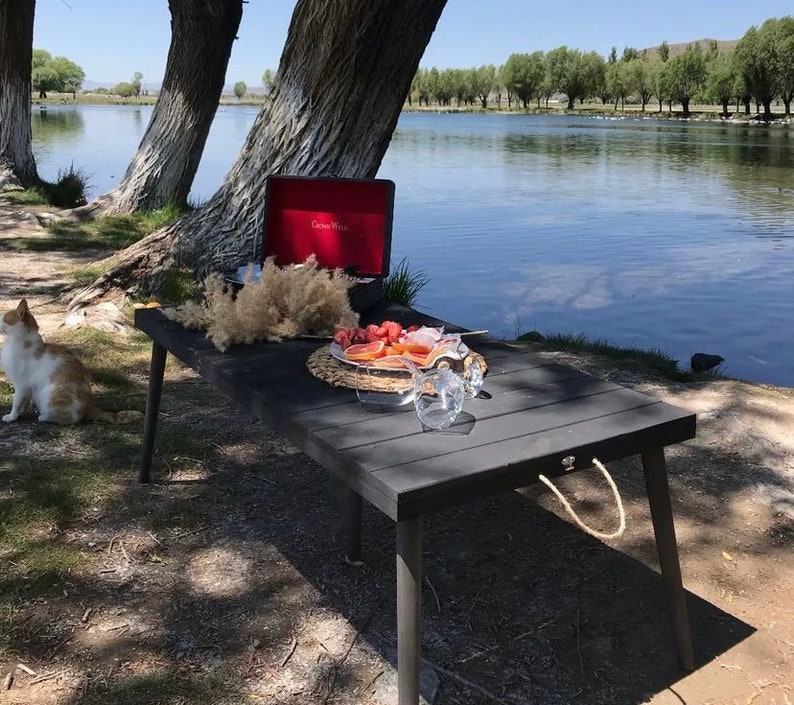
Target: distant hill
{"points": [[675, 49]]}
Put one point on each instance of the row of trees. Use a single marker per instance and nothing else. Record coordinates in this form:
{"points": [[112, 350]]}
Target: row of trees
{"points": [[760, 68]]}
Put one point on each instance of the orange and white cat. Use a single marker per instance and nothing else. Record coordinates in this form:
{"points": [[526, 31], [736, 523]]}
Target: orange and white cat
{"points": [[46, 376]]}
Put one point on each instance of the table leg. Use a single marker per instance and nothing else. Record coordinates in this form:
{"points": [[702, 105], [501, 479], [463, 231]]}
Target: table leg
{"points": [[156, 372], [409, 608], [353, 513], [664, 530]]}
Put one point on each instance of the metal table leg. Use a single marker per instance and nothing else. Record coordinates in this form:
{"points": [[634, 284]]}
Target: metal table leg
{"points": [[156, 372], [409, 608], [662, 516]]}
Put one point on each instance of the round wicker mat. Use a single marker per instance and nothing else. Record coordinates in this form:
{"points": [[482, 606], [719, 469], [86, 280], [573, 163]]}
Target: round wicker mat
{"points": [[326, 367]]}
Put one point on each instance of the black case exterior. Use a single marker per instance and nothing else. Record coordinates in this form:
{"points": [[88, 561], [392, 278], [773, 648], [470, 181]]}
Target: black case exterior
{"points": [[364, 295]]}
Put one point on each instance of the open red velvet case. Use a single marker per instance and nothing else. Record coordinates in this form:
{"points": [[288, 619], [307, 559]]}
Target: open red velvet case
{"points": [[345, 223]]}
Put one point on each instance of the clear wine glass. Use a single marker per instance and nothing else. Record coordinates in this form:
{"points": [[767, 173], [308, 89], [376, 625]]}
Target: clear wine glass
{"points": [[473, 376], [387, 384], [439, 397]]}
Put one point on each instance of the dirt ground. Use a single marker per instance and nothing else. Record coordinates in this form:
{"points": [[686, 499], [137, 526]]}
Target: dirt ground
{"points": [[519, 606]]}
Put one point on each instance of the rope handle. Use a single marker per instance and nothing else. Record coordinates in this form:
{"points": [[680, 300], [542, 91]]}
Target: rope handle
{"points": [[568, 464]]}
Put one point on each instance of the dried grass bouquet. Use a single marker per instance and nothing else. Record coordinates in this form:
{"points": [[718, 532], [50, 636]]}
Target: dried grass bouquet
{"points": [[286, 302]]}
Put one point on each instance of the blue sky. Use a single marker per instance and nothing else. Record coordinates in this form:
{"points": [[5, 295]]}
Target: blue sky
{"points": [[111, 40]]}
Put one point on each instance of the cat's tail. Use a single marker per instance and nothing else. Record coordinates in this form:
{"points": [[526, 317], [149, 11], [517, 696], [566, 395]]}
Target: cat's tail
{"points": [[94, 413]]}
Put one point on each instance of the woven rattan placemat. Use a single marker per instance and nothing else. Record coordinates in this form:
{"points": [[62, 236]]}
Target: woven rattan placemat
{"points": [[323, 365]]}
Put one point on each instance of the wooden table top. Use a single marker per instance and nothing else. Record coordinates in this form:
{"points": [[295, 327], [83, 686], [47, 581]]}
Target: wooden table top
{"points": [[538, 413]]}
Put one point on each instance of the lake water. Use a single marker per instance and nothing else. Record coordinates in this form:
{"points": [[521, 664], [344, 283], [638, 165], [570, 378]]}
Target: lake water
{"points": [[660, 234]]}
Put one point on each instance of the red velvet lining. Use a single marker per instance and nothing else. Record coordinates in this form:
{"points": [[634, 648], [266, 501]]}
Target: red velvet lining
{"points": [[344, 222]]}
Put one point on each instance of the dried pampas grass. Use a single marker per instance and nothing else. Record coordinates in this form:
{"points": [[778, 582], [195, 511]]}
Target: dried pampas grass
{"points": [[286, 302]]}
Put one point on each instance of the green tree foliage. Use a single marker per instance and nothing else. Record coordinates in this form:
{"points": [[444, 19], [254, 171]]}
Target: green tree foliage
{"points": [[43, 76], [523, 75], [239, 89], [419, 88], [784, 57], [593, 74], [267, 80], [722, 81], [639, 79], [483, 81], [459, 81], [441, 85], [574, 73], [136, 83], [617, 81], [685, 75], [124, 89], [756, 59], [659, 80], [57, 74]]}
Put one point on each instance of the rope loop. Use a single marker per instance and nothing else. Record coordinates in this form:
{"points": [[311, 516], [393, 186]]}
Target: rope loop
{"points": [[621, 512]]}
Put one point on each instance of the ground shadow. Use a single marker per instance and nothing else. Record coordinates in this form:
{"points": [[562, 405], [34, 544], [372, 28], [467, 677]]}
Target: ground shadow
{"points": [[245, 561]]}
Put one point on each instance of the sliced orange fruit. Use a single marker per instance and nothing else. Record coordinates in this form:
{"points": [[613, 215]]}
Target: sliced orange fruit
{"points": [[417, 359], [390, 361], [417, 348], [365, 351]]}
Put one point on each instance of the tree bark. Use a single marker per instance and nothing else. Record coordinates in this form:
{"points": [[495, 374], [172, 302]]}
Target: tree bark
{"points": [[165, 163], [17, 164], [342, 80]]}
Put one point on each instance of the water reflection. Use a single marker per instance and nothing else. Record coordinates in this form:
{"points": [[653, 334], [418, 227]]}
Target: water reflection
{"points": [[49, 126], [648, 232]]}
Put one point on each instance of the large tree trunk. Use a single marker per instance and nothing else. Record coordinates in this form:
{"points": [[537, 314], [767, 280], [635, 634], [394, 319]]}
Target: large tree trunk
{"points": [[17, 165], [344, 73], [164, 166]]}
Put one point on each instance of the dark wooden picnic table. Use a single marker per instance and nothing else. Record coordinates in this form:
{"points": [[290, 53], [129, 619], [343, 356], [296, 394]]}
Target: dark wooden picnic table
{"points": [[534, 417]]}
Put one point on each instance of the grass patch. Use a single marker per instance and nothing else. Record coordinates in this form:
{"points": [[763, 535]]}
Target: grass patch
{"points": [[83, 276], [179, 286], [113, 232], [108, 232], [26, 197], [67, 191], [41, 494], [150, 221], [56, 475], [112, 361], [403, 285], [652, 359]]}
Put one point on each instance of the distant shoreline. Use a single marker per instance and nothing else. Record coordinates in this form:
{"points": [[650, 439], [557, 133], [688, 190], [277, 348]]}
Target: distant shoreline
{"points": [[698, 112]]}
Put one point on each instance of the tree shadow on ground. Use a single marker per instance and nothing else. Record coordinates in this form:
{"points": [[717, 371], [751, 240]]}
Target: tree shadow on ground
{"points": [[225, 577]]}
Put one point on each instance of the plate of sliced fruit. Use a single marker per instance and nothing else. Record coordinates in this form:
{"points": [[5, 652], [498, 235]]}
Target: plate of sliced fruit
{"points": [[425, 346]]}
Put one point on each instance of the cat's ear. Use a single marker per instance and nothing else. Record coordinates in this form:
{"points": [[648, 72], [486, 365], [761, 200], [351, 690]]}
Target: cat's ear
{"points": [[26, 316]]}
